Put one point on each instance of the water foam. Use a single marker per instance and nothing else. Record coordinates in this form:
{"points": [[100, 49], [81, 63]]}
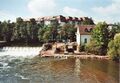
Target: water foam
{"points": [[26, 52]]}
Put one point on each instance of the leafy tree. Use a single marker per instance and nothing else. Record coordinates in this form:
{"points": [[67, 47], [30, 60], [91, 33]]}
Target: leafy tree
{"points": [[1, 30], [7, 30], [33, 30], [41, 31], [100, 36], [114, 47], [53, 31], [115, 28], [92, 47], [68, 32], [46, 36], [18, 29], [118, 27]]}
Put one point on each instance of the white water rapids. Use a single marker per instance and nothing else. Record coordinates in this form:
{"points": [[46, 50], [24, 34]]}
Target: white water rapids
{"points": [[20, 51], [13, 54], [11, 58]]}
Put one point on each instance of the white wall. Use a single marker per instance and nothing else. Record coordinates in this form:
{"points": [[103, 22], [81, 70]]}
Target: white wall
{"points": [[83, 37], [47, 22], [78, 38]]}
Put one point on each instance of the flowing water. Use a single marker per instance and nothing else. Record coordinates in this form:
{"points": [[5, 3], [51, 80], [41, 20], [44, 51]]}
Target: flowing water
{"points": [[19, 65]]}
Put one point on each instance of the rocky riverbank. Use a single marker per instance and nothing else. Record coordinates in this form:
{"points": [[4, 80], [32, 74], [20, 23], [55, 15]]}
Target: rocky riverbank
{"points": [[50, 53]]}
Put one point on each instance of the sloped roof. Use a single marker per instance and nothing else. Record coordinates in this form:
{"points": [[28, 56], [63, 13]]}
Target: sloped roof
{"points": [[85, 29]]}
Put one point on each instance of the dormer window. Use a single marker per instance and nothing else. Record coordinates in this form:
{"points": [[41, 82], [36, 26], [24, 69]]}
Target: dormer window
{"points": [[91, 29], [86, 30]]}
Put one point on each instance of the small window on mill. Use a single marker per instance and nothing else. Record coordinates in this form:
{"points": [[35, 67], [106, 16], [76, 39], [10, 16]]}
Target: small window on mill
{"points": [[91, 29], [86, 30], [85, 40]]}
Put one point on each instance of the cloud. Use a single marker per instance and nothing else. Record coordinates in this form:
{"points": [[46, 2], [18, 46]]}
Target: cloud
{"points": [[109, 10], [109, 13], [5, 15], [41, 7], [118, 1], [73, 12], [106, 19]]}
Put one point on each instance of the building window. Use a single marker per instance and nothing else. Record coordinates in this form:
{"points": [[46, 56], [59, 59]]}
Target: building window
{"points": [[91, 29], [85, 40], [86, 30]]}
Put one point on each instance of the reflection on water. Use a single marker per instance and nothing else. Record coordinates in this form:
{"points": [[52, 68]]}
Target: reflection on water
{"points": [[77, 66], [54, 70]]}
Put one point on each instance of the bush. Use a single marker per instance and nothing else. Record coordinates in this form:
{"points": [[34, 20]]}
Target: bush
{"points": [[92, 47], [82, 48], [114, 47]]}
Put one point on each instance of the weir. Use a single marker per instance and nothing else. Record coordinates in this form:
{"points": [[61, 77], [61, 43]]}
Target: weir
{"points": [[20, 51]]}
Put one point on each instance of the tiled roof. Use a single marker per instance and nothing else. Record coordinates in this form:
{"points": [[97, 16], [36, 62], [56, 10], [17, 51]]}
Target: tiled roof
{"points": [[61, 18], [85, 29]]}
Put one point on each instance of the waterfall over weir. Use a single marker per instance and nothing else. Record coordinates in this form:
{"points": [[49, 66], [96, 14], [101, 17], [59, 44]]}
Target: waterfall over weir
{"points": [[20, 51]]}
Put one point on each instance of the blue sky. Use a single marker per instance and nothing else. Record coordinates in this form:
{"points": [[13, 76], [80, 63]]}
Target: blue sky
{"points": [[99, 10]]}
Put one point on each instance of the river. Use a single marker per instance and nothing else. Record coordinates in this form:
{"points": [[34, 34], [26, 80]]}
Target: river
{"points": [[20, 67]]}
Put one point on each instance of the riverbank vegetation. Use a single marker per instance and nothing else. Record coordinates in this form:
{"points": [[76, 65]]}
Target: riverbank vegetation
{"points": [[27, 32], [104, 41], [114, 47], [31, 31]]}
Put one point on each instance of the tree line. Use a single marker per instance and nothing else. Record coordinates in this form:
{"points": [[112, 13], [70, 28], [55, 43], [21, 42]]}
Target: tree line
{"points": [[104, 40], [32, 32]]}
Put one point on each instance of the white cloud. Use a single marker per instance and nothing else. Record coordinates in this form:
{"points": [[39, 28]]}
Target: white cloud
{"points": [[109, 10], [109, 13], [73, 12], [5, 15], [41, 7], [106, 19], [118, 1]]}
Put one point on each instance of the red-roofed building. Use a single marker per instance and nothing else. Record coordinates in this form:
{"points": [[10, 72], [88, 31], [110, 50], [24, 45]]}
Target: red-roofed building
{"points": [[83, 34], [60, 19]]}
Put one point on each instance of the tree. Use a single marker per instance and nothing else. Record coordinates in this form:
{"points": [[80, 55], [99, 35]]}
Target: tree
{"points": [[114, 47], [25, 31], [68, 32], [118, 27], [41, 31], [33, 30], [7, 30], [92, 47], [1, 37], [53, 31], [46, 36], [115, 28], [18, 29], [100, 36]]}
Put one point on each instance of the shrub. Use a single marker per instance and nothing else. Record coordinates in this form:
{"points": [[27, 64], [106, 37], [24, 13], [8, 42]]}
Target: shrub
{"points": [[114, 47], [92, 47], [82, 48]]}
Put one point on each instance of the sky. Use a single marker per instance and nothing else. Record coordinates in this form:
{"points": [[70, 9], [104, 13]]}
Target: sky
{"points": [[99, 10]]}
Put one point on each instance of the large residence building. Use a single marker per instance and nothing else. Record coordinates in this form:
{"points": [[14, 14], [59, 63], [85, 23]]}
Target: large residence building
{"points": [[61, 20]]}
